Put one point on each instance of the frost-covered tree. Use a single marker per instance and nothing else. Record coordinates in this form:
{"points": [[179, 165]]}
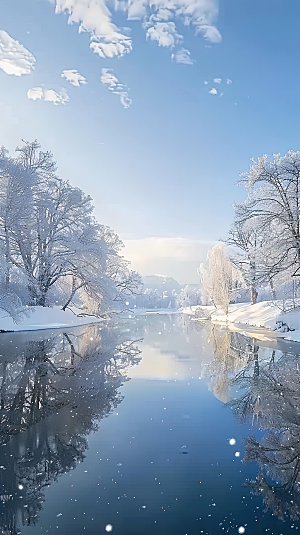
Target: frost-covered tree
{"points": [[273, 204], [247, 245], [50, 238], [190, 295], [16, 209], [221, 280]]}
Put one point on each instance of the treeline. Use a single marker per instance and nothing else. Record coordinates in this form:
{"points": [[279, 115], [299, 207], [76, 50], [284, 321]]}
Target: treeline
{"points": [[263, 247], [189, 295], [52, 249]]}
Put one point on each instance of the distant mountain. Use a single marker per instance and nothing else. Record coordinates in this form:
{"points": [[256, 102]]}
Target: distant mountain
{"points": [[192, 286], [161, 283]]}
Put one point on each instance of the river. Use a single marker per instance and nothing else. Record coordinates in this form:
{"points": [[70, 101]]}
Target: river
{"points": [[152, 425]]}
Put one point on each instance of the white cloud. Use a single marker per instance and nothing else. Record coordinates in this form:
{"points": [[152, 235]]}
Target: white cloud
{"points": [[111, 45], [164, 33], [210, 33], [107, 40], [15, 59], [36, 93], [217, 80], [228, 81], [176, 257], [112, 83], [48, 95], [109, 79], [183, 56], [137, 9], [93, 16], [125, 100], [213, 91], [206, 82], [74, 77]]}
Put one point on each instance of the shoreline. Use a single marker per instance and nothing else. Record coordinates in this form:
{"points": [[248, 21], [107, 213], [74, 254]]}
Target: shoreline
{"points": [[264, 319]]}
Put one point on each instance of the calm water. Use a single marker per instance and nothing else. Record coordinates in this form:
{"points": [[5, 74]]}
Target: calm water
{"points": [[157, 425]]}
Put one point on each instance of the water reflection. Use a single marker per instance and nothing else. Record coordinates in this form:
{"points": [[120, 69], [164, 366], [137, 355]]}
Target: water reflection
{"points": [[173, 347], [261, 385], [75, 375]]}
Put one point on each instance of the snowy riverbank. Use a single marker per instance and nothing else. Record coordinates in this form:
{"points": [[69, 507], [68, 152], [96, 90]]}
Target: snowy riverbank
{"points": [[53, 318], [264, 314], [44, 318]]}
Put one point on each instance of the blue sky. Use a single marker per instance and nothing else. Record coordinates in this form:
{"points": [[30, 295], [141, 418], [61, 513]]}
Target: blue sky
{"points": [[159, 153]]}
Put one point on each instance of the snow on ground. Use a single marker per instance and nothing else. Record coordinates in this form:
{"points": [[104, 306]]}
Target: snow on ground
{"points": [[44, 318], [264, 314]]}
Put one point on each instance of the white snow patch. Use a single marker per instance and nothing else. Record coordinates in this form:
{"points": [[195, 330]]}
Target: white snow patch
{"points": [[262, 315], [44, 318]]}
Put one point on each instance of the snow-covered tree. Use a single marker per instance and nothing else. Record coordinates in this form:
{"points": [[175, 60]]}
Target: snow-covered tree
{"points": [[273, 204], [190, 295], [221, 279], [247, 245], [50, 238]]}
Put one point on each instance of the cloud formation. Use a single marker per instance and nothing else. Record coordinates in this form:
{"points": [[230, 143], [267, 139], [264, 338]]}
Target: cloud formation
{"points": [[74, 77], [183, 56], [15, 59], [164, 33], [48, 95], [94, 17], [210, 33], [107, 40], [112, 83], [213, 90]]}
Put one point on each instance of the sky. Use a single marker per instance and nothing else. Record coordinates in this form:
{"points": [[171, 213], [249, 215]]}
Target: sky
{"points": [[153, 109]]}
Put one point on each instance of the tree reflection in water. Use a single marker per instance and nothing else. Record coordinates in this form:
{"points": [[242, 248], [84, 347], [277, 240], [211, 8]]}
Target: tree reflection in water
{"points": [[54, 392], [262, 386]]}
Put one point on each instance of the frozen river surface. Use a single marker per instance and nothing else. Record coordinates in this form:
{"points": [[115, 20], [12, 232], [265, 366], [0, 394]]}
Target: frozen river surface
{"points": [[153, 426]]}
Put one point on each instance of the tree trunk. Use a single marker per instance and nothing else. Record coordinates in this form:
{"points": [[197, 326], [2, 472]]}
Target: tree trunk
{"points": [[274, 297], [37, 299], [7, 267], [42, 300], [254, 295], [73, 292], [68, 302], [32, 295], [294, 293]]}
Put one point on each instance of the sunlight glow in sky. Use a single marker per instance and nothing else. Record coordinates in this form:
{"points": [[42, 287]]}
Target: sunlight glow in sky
{"points": [[153, 109]]}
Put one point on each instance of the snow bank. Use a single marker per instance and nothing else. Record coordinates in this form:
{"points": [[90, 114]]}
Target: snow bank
{"points": [[264, 314], [44, 318]]}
